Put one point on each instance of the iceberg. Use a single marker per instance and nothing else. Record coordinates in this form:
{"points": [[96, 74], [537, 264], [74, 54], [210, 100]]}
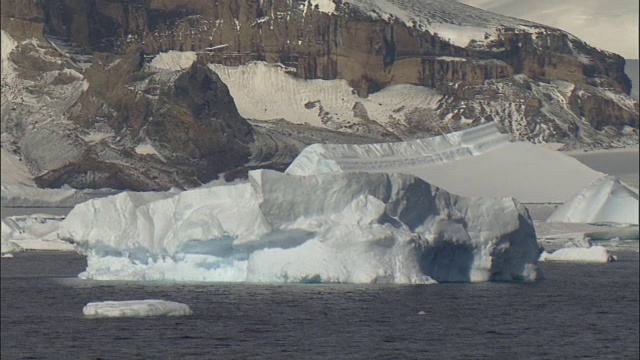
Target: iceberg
{"points": [[340, 228], [135, 308], [605, 200], [478, 161], [32, 232], [597, 254], [9, 227]]}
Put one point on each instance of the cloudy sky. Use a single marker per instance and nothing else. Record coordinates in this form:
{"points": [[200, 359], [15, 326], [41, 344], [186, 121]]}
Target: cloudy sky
{"points": [[611, 25]]}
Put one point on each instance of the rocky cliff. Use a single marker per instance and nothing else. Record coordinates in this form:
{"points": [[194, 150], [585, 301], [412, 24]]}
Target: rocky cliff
{"points": [[81, 103]]}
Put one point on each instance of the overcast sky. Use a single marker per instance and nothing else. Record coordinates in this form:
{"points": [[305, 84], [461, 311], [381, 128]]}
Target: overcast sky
{"points": [[611, 25]]}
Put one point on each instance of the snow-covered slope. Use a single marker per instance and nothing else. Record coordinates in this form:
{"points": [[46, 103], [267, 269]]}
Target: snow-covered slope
{"points": [[267, 92], [357, 228], [452, 21], [594, 21], [474, 162], [604, 200]]}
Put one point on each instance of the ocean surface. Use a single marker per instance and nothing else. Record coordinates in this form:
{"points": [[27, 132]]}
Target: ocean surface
{"points": [[578, 311]]}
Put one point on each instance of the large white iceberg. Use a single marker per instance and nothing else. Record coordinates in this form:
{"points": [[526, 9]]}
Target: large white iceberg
{"points": [[135, 308], [479, 161], [350, 227], [606, 200]]}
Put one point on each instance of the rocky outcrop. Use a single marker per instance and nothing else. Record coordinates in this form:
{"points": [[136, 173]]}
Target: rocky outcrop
{"points": [[347, 44], [83, 66]]}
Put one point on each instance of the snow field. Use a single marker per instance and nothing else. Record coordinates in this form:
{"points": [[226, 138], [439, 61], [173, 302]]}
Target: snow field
{"points": [[320, 103]]}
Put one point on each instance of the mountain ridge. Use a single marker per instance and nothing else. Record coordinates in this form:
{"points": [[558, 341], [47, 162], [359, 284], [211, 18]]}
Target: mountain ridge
{"points": [[80, 76]]}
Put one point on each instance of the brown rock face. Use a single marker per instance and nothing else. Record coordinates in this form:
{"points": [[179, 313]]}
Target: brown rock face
{"points": [[541, 84], [349, 45]]}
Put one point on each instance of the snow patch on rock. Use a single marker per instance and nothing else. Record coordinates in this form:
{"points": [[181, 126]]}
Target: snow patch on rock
{"points": [[174, 60], [450, 20]]}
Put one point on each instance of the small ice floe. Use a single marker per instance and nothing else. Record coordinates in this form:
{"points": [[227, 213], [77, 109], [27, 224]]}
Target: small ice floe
{"points": [[8, 255], [135, 308], [422, 313], [595, 254]]}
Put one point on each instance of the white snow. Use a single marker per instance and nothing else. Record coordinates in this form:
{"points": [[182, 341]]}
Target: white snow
{"points": [[321, 103], [174, 60], [354, 228], [8, 44], [591, 20], [17, 188], [148, 149], [450, 20], [604, 200], [13, 170], [135, 308], [326, 6], [474, 162], [597, 254]]}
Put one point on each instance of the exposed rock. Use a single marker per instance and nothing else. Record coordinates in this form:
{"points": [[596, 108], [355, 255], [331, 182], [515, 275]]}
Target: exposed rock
{"points": [[81, 99]]}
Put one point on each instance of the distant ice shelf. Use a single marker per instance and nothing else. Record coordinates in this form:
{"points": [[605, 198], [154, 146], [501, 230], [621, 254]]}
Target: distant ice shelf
{"points": [[479, 161]]}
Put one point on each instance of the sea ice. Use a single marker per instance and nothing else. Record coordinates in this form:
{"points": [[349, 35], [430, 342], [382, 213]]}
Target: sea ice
{"points": [[606, 200], [347, 227], [135, 308]]}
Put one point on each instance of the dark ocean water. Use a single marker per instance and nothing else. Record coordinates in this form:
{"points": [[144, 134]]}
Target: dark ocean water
{"points": [[579, 311]]}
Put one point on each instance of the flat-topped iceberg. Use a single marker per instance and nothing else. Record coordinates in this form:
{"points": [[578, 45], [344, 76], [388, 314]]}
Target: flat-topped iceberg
{"points": [[594, 254], [605, 200], [135, 308], [348, 227]]}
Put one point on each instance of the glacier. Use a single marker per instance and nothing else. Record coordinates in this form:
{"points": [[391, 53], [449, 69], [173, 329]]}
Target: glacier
{"points": [[339, 228], [499, 168], [135, 308]]}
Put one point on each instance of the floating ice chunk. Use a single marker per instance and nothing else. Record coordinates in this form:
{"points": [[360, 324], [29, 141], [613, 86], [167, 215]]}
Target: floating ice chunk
{"points": [[135, 308], [605, 200], [346, 227], [597, 254]]}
